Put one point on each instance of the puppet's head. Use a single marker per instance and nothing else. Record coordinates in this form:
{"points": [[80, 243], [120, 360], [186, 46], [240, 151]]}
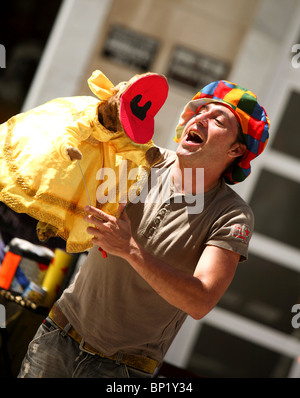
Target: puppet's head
{"points": [[130, 106]]}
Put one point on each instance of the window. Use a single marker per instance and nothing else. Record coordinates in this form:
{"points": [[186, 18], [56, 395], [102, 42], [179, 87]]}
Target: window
{"points": [[287, 137], [275, 204], [220, 354], [264, 292]]}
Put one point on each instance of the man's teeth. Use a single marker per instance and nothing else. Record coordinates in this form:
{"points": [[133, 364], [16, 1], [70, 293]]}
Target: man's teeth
{"points": [[194, 136]]}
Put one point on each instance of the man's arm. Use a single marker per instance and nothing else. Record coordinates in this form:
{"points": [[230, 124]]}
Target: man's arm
{"points": [[194, 294]]}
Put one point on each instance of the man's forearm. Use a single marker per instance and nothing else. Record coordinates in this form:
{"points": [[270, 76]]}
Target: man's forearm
{"points": [[181, 290]]}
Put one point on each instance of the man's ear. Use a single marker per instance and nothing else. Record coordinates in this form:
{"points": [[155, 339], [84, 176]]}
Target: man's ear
{"points": [[237, 150]]}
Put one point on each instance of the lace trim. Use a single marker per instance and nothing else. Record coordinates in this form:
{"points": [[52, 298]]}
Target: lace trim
{"points": [[38, 214]]}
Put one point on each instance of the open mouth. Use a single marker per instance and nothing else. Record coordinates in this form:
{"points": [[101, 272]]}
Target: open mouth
{"points": [[194, 137]]}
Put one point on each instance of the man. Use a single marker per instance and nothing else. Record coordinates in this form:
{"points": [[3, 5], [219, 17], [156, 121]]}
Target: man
{"points": [[165, 260]]}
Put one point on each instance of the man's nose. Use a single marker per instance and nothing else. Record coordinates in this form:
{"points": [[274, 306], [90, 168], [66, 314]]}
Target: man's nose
{"points": [[202, 119]]}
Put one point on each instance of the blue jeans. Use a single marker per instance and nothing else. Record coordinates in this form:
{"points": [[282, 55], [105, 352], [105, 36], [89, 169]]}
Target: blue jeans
{"points": [[54, 355]]}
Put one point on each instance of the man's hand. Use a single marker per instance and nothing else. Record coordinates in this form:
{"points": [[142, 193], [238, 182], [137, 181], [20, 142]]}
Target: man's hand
{"points": [[113, 235]]}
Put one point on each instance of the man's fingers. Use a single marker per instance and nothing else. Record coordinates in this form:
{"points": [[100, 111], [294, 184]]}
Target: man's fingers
{"points": [[95, 212], [94, 220], [93, 231], [121, 209], [96, 216]]}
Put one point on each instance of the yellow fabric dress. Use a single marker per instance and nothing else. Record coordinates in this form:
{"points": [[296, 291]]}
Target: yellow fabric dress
{"points": [[38, 178]]}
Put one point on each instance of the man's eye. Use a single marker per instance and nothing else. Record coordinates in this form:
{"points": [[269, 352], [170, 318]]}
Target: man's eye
{"points": [[202, 110], [219, 122]]}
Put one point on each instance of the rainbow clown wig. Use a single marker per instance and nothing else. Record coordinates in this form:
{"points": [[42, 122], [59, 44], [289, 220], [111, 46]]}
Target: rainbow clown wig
{"points": [[251, 116]]}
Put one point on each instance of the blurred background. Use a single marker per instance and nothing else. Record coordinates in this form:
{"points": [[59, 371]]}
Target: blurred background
{"points": [[52, 48]]}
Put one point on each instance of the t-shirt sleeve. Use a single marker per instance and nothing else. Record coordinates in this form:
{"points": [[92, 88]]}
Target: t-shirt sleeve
{"points": [[233, 231]]}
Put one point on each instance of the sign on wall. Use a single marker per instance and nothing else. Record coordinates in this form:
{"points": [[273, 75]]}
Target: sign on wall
{"points": [[131, 48], [195, 69]]}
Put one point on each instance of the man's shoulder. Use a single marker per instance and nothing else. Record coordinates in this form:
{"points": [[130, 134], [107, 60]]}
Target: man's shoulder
{"points": [[231, 194], [232, 202]]}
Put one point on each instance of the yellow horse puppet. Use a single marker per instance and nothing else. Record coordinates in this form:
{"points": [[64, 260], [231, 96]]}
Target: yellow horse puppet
{"points": [[51, 157]]}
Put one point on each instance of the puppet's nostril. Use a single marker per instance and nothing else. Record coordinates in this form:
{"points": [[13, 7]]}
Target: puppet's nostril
{"points": [[139, 111]]}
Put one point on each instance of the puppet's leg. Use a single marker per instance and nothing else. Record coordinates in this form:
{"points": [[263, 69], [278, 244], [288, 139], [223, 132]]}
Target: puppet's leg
{"points": [[45, 231]]}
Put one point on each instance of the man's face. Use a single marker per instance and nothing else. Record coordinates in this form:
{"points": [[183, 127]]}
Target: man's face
{"points": [[208, 137]]}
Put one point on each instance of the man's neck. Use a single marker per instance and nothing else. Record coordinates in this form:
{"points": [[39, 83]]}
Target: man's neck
{"points": [[192, 181]]}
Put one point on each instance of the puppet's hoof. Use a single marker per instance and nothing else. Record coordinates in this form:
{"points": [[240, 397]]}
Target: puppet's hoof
{"points": [[74, 153], [153, 155], [45, 231]]}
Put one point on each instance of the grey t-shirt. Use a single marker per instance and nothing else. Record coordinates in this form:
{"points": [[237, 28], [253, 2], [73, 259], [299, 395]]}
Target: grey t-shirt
{"points": [[112, 307]]}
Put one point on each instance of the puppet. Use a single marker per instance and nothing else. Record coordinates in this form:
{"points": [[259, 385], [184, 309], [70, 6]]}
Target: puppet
{"points": [[52, 157]]}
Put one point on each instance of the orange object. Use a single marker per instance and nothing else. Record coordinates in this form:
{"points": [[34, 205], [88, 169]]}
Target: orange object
{"points": [[104, 254], [8, 269]]}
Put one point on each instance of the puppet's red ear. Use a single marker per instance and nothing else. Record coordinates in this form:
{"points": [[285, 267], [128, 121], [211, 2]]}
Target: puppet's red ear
{"points": [[140, 103]]}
